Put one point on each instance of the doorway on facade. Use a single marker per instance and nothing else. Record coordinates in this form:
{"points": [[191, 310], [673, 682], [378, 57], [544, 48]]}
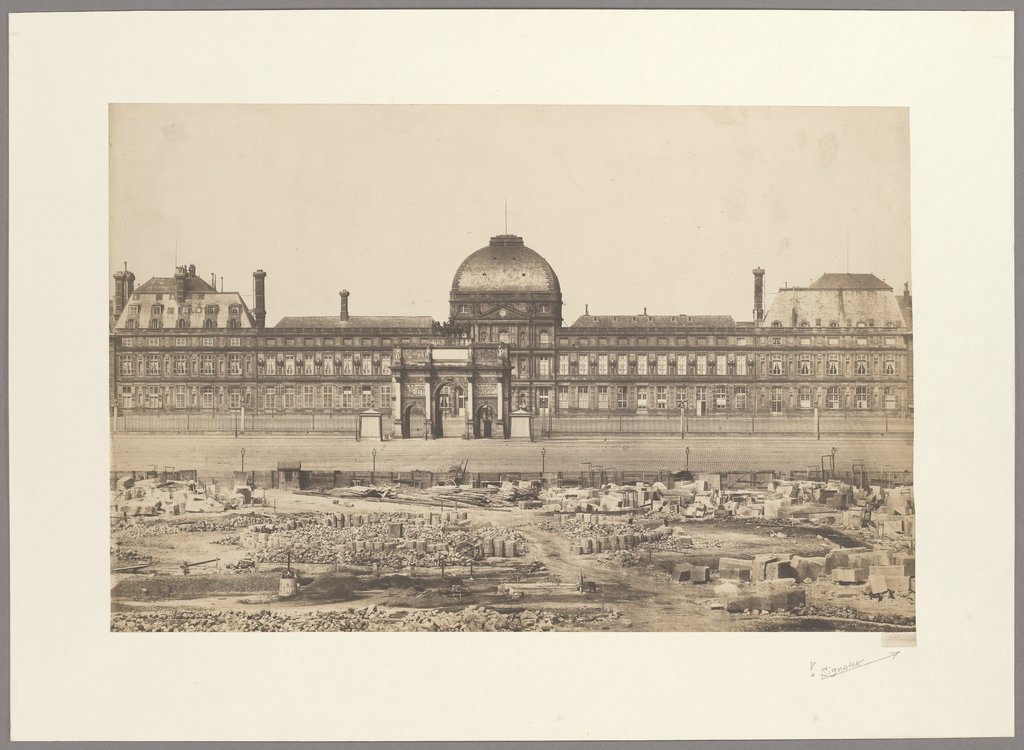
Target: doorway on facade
{"points": [[485, 416], [449, 411], [413, 421]]}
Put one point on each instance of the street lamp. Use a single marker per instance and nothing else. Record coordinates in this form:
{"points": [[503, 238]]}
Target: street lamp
{"points": [[243, 460], [543, 451], [373, 471], [681, 405]]}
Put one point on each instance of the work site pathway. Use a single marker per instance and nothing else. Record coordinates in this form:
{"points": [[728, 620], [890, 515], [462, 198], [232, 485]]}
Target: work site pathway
{"points": [[650, 603]]}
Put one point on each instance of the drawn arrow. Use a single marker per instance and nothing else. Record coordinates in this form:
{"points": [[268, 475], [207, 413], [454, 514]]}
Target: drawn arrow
{"points": [[891, 655]]}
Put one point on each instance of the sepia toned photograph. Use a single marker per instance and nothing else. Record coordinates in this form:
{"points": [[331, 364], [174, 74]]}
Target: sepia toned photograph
{"points": [[510, 368]]}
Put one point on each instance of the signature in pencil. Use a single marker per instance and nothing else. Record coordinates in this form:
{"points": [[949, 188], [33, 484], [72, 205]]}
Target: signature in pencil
{"points": [[828, 671]]}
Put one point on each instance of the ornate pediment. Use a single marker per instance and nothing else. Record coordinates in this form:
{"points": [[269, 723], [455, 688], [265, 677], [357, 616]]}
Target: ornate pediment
{"points": [[502, 312]]}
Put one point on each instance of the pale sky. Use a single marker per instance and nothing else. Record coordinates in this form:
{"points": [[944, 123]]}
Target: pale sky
{"points": [[667, 208]]}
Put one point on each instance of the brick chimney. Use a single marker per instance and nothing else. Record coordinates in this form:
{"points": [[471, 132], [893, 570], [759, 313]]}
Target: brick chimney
{"points": [[180, 274], [344, 303], [758, 294], [259, 298], [124, 286]]}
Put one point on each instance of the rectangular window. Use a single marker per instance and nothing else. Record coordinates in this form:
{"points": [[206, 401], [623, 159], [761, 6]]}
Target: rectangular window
{"points": [[805, 341], [804, 366], [889, 398], [234, 364], [544, 367], [180, 364], [805, 398], [563, 364], [741, 364], [207, 397], [641, 365], [544, 398], [860, 367], [545, 338], [181, 341], [721, 397], [890, 341], [385, 364], [641, 397], [206, 365], [346, 397], [862, 341], [776, 366], [234, 341], [289, 397], [289, 364], [270, 366], [584, 365], [663, 364], [385, 397], [153, 342], [127, 401], [602, 364], [862, 397], [832, 398], [180, 397], [889, 366], [152, 365], [307, 397], [127, 365], [308, 365], [602, 397], [366, 365], [621, 397], [661, 397], [327, 396], [208, 341], [833, 341], [366, 400], [563, 397], [776, 402], [346, 364], [328, 365], [235, 399], [833, 365], [740, 397], [702, 364], [583, 397], [702, 399], [720, 365], [270, 398]]}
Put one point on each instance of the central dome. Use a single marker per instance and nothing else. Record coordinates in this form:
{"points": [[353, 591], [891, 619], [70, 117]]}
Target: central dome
{"points": [[505, 265]]}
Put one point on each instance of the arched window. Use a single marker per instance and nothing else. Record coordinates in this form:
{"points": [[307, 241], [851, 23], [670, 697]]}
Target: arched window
{"points": [[804, 324], [833, 324], [234, 323], [776, 324], [209, 323], [130, 324], [182, 323]]}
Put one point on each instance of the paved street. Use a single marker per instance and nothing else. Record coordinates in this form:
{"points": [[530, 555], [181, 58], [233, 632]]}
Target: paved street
{"points": [[216, 453]]}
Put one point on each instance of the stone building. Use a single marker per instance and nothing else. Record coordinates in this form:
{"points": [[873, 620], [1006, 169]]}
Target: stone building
{"points": [[841, 347]]}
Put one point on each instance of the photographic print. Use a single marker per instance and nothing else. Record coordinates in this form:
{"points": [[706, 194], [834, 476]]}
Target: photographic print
{"points": [[510, 368]]}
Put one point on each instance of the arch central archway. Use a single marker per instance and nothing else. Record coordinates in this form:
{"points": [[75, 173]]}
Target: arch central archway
{"points": [[413, 421], [449, 410], [483, 424]]}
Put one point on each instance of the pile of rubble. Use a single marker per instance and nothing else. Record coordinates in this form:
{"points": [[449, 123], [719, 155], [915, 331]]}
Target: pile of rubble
{"points": [[770, 582], [372, 618], [506, 495], [394, 540], [133, 529]]}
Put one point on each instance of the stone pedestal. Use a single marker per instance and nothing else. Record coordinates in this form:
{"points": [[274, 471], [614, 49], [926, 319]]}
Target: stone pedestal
{"points": [[371, 425], [521, 425]]}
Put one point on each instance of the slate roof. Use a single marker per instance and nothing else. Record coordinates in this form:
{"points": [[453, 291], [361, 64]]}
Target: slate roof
{"points": [[358, 322], [850, 281], [505, 265], [646, 322]]}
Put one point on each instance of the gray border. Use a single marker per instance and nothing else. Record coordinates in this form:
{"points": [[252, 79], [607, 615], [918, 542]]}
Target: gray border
{"points": [[8, 7]]}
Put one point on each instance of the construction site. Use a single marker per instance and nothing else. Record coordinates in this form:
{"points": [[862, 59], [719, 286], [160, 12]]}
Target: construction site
{"points": [[288, 547]]}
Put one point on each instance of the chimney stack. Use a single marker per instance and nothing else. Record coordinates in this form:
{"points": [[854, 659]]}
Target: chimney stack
{"points": [[259, 297], [758, 294], [344, 303], [119, 288], [213, 281], [179, 284]]}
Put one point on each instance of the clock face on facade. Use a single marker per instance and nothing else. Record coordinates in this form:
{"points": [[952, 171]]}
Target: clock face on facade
{"points": [[503, 312]]}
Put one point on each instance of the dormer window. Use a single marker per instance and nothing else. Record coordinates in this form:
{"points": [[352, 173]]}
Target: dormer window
{"points": [[182, 323], [156, 310], [211, 309], [133, 309], [776, 324], [209, 323]]}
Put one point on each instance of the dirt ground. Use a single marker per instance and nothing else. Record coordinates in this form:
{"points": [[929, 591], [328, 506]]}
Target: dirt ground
{"points": [[635, 591]]}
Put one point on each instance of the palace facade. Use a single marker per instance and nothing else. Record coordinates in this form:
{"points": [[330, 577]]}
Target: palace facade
{"points": [[841, 346]]}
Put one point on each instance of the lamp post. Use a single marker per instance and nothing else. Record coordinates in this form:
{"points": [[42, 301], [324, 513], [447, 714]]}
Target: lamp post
{"points": [[681, 404], [243, 460], [373, 471], [543, 451], [687, 457]]}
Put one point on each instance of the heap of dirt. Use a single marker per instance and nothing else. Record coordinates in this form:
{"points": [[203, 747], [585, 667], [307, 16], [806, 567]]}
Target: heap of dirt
{"points": [[330, 588], [188, 587]]}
